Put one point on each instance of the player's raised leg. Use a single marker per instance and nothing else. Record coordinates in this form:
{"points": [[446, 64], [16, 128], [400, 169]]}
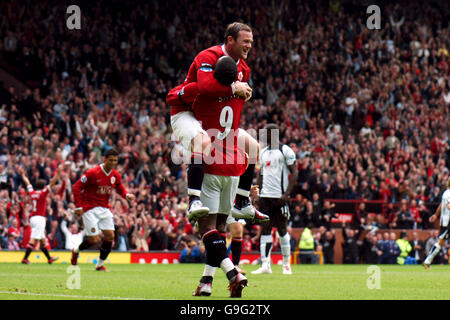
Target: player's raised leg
{"points": [[195, 140], [243, 209], [201, 145]]}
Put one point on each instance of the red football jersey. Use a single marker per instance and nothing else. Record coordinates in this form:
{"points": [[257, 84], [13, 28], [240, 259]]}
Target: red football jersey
{"points": [[200, 71], [95, 187], [38, 201]]}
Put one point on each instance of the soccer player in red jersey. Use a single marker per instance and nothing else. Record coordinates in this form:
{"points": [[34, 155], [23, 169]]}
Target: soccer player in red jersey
{"points": [[91, 194], [190, 132], [38, 213], [226, 163]]}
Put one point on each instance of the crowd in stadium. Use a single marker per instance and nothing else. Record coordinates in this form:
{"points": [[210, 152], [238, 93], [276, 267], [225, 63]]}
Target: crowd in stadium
{"points": [[366, 111]]}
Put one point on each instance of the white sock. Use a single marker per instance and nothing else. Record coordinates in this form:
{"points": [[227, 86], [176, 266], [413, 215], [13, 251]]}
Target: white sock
{"points": [[209, 271], [226, 265], [286, 249], [264, 242], [100, 262], [434, 251]]}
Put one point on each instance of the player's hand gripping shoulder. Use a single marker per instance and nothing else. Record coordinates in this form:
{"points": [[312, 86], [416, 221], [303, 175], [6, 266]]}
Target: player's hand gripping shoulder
{"points": [[243, 90]]}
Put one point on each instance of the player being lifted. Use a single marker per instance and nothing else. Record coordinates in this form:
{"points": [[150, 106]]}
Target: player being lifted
{"points": [[189, 131], [276, 180], [91, 194], [38, 213], [444, 212], [222, 170], [208, 81]]}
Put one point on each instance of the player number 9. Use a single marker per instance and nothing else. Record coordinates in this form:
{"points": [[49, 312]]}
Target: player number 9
{"points": [[226, 121]]}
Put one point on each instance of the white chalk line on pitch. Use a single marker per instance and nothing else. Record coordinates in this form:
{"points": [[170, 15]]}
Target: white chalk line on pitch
{"points": [[72, 296]]}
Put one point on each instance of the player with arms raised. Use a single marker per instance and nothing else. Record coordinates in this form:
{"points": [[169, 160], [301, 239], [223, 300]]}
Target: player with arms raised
{"points": [[91, 194], [38, 213], [444, 212]]}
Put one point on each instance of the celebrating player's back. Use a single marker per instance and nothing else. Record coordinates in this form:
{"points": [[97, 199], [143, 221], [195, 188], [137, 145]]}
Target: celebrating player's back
{"points": [[38, 213]]}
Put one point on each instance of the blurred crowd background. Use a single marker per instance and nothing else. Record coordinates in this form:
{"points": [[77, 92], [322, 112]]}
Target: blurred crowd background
{"points": [[366, 111]]}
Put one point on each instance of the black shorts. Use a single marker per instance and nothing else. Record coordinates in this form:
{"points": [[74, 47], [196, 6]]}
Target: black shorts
{"points": [[443, 232], [274, 209]]}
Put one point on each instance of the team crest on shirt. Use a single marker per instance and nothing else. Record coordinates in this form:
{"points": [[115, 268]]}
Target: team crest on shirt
{"points": [[113, 179], [240, 75], [83, 179], [93, 230]]}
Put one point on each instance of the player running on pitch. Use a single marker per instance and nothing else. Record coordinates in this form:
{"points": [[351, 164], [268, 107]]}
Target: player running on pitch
{"points": [[189, 131], [276, 179], [91, 194], [38, 214], [444, 212]]}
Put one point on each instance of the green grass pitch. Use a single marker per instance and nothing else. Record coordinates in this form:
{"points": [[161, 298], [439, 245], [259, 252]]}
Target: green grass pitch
{"points": [[176, 282]]}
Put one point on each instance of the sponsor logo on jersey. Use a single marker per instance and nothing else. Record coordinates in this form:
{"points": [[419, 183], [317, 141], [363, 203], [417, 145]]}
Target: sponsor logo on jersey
{"points": [[104, 190]]}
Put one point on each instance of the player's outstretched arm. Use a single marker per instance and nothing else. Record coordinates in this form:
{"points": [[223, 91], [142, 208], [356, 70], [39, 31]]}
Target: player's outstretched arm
{"points": [[56, 176], [24, 177], [123, 192]]}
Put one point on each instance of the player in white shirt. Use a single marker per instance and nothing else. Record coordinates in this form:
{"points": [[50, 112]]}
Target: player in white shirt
{"points": [[276, 180], [444, 212]]}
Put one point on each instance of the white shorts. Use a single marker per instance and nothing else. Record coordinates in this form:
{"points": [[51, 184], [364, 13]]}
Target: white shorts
{"points": [[218, 192], [186, 127], [97, 219], [37, 224]]}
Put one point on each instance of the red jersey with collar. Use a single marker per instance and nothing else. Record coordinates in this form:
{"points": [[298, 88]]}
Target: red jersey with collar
{"points": [[201, 71], [95, 187], [38, 201]]}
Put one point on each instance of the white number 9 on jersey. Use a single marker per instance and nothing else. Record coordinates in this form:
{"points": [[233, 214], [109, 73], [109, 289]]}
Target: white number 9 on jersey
{"points": [[226, 121]]}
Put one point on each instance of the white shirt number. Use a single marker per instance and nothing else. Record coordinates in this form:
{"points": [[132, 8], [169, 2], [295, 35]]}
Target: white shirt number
{"points": [[226, 121]]}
